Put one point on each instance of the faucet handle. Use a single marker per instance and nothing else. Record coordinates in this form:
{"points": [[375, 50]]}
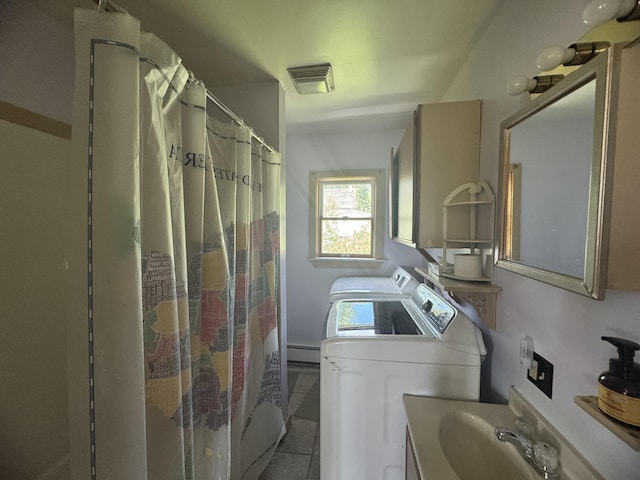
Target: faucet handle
{"points": [[523, 426], [546, 457]]}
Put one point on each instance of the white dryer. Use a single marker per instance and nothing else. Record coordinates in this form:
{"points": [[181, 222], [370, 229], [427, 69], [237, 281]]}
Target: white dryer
{"points": [[374, 350], [403, 281]]}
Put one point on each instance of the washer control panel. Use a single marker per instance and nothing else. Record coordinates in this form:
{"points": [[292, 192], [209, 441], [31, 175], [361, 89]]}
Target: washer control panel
{"points": [[435, 309], [405, 282]]}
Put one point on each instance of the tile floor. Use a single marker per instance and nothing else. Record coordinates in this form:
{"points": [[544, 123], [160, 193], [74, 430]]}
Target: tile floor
{"points": [[298, 455]]}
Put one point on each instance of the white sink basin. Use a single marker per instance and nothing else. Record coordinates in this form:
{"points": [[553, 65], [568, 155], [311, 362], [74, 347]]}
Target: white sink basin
{"points": [[473, 451], [455, 440]]}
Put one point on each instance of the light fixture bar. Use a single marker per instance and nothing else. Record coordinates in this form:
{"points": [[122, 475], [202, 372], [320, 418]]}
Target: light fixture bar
{"points": [[601, 11], [575, 54], [539, 84]]}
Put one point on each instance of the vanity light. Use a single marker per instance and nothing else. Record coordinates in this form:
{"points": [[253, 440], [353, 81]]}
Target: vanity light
{"points": [[575, 54], [601, 11], [539, 84]]}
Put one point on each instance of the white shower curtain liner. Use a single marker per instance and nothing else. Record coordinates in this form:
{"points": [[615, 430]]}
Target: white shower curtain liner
{"points": [[174, 364]]}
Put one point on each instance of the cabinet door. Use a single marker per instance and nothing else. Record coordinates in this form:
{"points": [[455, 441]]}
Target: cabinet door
{"points": [[411, 468], [448, 146], [403, 190]]}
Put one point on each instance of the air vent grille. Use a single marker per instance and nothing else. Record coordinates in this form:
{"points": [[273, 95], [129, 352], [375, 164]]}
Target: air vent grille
{"points": [[312, 78]]}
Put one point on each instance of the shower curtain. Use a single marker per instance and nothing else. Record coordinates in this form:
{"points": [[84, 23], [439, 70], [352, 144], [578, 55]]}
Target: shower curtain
{"points": [[174, 365]]}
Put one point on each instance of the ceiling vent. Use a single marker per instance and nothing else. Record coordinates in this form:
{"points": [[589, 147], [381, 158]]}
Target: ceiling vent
{"points": [[312, 78]]}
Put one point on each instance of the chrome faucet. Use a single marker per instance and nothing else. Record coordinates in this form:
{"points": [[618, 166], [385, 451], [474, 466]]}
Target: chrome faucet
{"points": [[540, 455]]}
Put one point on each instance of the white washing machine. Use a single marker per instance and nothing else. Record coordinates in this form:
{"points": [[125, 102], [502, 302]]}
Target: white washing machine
{"points": [[403, 281], [374, 350]]}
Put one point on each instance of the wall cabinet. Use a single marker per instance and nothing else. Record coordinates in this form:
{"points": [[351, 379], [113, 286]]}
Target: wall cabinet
{"points": [[439, 151]]}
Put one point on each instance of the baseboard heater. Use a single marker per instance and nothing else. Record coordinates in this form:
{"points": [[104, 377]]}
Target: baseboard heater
{"points": [[303, 353]]}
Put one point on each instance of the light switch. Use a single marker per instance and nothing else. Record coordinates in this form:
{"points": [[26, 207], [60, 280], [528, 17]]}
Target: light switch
{"points": [[541, 374]]}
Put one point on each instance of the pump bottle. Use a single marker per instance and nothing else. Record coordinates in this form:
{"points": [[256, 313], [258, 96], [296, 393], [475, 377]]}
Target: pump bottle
{"points": [[619, 387]]}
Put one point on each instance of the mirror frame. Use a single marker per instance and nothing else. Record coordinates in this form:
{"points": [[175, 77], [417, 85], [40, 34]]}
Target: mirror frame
{"points": [[593, 281]]}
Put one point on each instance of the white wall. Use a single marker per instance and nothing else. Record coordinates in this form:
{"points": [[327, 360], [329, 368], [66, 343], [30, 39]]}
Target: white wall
{"points": [[307, 285], [566, 327], [258, 104]]}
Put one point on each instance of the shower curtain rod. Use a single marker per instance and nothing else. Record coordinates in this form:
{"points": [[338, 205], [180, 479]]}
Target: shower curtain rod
{"points": [[235, 118], [108, 6]]}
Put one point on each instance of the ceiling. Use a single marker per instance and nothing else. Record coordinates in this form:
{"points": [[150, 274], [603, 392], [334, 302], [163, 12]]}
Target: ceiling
{"points": [[387, 55]]}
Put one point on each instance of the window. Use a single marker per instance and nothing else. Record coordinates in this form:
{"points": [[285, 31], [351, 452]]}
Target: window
{"points": [[345, 217], [348, 212]]}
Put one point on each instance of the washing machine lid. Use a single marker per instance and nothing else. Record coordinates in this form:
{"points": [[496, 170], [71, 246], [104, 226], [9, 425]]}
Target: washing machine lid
{"points": [[374, 328], [424, 315], [400, 282], [374, 316]]}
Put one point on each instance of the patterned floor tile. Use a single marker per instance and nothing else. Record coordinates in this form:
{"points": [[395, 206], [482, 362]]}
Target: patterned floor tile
{"points": [[298, 455], [300, 438], [287, 466]]}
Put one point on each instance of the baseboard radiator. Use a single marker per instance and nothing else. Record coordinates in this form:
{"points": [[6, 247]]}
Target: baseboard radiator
{"points": [[303, 353]]}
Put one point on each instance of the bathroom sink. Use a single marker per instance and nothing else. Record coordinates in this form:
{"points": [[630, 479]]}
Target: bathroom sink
{"points": [[456, 440], [473, 451]]}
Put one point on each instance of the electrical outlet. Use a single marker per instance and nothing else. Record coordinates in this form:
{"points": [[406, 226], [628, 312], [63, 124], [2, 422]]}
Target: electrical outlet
{"points": [[541, 374]]}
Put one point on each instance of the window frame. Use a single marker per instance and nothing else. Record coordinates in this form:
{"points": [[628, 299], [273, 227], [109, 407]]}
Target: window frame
{"points": [[378, 208]]}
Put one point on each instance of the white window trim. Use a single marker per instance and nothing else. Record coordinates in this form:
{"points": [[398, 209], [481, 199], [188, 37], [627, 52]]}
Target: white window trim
{"points": [[379, 216]]}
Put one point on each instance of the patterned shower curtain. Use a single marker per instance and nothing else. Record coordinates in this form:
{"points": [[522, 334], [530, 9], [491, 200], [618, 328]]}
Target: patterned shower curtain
{"points": [[174, 364]]}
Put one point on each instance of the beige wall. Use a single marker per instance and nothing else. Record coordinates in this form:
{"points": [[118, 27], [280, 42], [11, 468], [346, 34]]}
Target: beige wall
{"points": [[36, 75], [33, 373]]}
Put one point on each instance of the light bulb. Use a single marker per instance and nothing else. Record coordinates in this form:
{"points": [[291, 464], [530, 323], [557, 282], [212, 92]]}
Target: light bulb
{"points": [[554, 56], [601, 11], [521, 84]]}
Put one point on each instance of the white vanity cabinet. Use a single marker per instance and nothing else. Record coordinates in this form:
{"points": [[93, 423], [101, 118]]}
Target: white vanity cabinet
{"points": [[411, 463], [438, 152]]}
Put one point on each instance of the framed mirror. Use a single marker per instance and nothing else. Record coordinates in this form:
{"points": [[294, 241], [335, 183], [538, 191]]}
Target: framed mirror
{"points": [[554, 182]]}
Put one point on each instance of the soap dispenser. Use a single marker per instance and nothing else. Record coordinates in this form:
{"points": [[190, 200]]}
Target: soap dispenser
{"points": [[619, 388]]}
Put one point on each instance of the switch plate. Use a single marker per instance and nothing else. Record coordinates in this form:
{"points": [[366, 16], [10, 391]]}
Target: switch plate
{"points": [[541, 374]]}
